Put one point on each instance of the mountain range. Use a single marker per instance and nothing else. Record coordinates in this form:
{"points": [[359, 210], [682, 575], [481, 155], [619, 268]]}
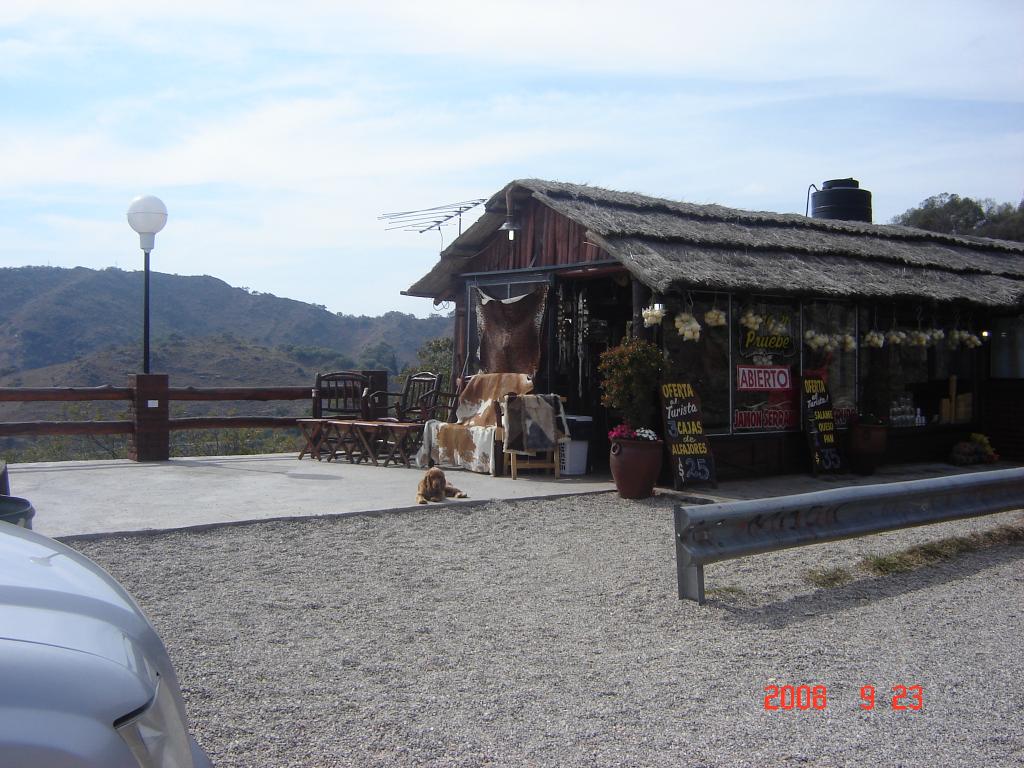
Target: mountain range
{"points": [[83, 327]]}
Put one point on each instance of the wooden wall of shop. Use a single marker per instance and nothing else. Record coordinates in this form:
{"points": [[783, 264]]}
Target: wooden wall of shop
{"points": [[547, 239], [761, 455], [742, 456]]}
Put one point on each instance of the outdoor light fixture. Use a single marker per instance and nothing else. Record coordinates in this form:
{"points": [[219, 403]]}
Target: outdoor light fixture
{"points": [[147, 216], [509, 226], [654, 314], [985, 334]]}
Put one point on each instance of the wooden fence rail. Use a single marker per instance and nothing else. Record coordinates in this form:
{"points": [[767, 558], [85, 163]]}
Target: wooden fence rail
{"points": [[234, 422], [148, 396], [261, 394], [62, 394], [40, 428]]}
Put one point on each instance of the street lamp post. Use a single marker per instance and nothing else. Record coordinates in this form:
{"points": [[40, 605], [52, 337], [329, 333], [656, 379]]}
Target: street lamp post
{"points": [[147, 216]]}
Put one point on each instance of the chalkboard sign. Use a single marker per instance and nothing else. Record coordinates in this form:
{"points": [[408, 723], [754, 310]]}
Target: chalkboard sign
{"points": [[689, 452], [820, 426]]}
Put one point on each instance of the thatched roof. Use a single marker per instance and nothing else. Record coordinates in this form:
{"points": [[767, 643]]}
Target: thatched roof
{"points": [[671, 246]]}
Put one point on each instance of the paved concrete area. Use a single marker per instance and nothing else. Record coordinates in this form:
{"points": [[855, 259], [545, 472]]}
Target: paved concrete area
{"points": [[83, 497], [91, 497]]}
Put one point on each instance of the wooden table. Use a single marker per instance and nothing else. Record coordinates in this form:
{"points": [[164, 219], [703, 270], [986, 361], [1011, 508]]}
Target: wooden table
{"points": [[370, 441], [342, 435], [313, 431], [391, 436]]}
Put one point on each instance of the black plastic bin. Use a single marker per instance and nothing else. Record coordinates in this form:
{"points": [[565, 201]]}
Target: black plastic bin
{"points": [[16, 511], [580, 427]]}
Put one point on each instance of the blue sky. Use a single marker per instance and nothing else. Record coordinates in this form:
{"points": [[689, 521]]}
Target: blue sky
{"points": [[276, 133]]}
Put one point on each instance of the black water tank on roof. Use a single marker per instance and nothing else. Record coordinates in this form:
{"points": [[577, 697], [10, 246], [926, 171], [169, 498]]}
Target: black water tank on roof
{"points": [[841, 199]]}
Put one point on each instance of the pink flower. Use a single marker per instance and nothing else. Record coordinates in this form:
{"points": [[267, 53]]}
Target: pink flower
{"points": [[625, 432], [622, 432]]}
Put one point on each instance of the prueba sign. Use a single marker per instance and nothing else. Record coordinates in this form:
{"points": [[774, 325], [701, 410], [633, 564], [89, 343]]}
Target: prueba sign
{"points": [[692, 460], [820, 426], [755, 343]]}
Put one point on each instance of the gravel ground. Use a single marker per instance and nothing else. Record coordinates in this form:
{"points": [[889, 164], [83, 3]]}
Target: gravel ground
{"points": [[549, 634]]}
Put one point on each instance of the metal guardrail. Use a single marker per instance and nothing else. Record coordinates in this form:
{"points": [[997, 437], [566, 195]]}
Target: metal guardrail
{"points": [[5, 481], [713, 532]]}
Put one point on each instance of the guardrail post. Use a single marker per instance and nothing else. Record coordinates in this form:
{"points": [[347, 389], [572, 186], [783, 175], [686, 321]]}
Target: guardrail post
{"points": [[5, 483], [151, 440], [689, 575]]}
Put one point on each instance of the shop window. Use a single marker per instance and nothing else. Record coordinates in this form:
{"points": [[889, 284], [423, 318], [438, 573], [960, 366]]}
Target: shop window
{"points": [[1007, 337], [917, 367], [765, 364], [696, 337], [830, 351]]}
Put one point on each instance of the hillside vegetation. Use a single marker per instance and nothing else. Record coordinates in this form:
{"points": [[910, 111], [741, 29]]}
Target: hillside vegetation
{"points": [[82, 327]]}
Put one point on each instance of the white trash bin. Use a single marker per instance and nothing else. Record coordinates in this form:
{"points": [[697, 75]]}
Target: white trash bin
{"points": [[572, 453], [572, 457]]}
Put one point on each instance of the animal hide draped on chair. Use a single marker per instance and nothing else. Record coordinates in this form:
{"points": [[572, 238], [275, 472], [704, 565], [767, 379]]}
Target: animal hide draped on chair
{"points": [[533, 423], [470, 442], [510, 331]]}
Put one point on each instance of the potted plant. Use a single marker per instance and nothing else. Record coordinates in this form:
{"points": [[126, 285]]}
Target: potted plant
{"points": [[630, 374]]}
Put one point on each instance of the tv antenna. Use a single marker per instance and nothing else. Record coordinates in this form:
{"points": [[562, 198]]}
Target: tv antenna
{"points": [[429, 218]]}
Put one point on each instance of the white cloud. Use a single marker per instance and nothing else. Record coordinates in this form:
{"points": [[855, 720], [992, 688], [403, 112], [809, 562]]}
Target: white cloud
{"points": [[277, 133], [906, 45]]}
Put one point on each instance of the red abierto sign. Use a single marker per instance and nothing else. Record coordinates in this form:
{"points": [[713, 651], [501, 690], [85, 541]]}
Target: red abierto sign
{"points": [[770, 378]]}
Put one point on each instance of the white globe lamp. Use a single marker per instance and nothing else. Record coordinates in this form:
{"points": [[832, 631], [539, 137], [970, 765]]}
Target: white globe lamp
{"points": [[147, 215]]}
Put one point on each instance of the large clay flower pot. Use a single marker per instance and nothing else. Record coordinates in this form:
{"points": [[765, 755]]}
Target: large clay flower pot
{"points": [[635, 466]]}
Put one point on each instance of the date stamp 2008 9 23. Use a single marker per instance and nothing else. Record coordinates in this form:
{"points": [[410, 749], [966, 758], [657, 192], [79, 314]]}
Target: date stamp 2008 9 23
{"points": [[805, 697]]}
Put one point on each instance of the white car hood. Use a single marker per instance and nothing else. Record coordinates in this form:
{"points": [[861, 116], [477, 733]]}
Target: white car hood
{"points": [[51, 595]]}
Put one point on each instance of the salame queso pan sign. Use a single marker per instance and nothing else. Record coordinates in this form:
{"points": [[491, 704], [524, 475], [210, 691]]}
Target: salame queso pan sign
{"points": [[820, 426]]}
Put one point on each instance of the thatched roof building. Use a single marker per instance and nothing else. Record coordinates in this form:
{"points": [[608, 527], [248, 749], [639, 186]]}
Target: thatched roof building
{"points": [[672, 246], [926, 327]]}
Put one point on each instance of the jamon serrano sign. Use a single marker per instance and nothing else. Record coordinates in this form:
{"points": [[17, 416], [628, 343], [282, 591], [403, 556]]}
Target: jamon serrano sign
{"points": [[692, 460]]}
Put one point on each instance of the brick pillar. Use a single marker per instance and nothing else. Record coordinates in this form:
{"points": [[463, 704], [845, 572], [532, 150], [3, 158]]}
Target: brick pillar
{"points": [[151, 441]]}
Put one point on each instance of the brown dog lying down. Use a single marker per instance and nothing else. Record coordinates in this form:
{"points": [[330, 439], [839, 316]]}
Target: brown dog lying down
{"points": [[434, 487]]}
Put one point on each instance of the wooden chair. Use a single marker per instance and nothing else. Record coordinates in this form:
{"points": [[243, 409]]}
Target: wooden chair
{"points": [[416, 402], [448, 402], [545, 460], [397, 438], [338, 398], [340, 395]]}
